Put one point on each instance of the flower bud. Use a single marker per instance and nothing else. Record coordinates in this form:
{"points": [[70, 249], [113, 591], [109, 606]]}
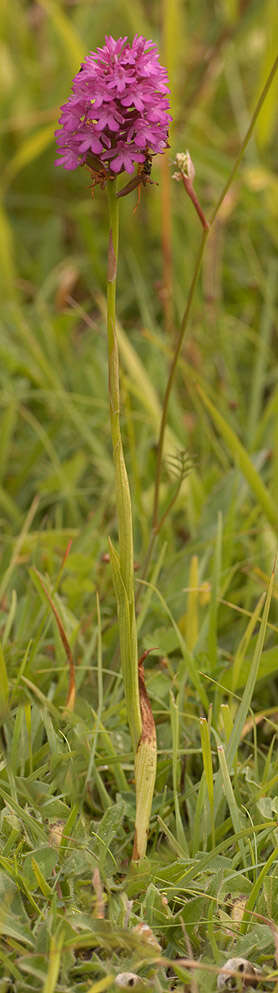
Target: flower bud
{"points": [[185, 167]]}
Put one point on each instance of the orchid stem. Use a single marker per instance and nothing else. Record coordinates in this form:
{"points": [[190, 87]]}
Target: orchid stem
{"points": [[123, 569], [140, 718]]}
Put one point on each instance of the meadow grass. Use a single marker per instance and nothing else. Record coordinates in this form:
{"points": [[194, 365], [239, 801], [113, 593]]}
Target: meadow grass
{"points": [[71, 905]]}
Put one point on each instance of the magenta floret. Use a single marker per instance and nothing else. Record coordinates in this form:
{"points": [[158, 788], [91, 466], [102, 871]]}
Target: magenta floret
{"points": [[118, 109]]}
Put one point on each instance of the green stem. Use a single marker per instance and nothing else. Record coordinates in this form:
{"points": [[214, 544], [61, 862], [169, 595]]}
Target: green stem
{"points": [[187, 313], [179, 342], [246, 140], [125, 588]]}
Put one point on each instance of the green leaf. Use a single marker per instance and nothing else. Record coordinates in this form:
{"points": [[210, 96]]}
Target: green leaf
{"points": [[108, 830], [236, 816], [41, 881], [55, 952], [163, 638], [268, 666], [208, 769], [128, 645], [38, 868]]}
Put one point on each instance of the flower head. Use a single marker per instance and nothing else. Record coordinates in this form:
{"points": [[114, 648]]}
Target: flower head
{"points": [[118, 110]]}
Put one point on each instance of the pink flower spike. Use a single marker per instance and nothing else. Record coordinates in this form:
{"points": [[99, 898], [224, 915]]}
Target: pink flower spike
{"points": [[118, 108]]}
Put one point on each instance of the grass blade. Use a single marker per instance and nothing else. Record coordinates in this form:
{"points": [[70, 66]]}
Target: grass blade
{"points": [[247, 696], [231, 801], [4, 688], [55, 951], [242, 459], [208, 770], [174, 714], [247, 916]]}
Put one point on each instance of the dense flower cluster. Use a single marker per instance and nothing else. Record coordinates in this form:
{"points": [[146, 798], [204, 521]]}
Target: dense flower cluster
{"points": [[118, 109]]}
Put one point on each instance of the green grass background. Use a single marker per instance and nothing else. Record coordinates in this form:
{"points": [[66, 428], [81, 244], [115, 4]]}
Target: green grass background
{"points": [[70, 905]]}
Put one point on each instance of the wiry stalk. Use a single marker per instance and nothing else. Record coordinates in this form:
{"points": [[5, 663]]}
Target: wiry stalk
{"points": [[187, 314]]}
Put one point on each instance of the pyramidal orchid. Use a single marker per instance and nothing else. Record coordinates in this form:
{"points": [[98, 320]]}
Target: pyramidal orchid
{"points": [[118, 109], [115, 121]]}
